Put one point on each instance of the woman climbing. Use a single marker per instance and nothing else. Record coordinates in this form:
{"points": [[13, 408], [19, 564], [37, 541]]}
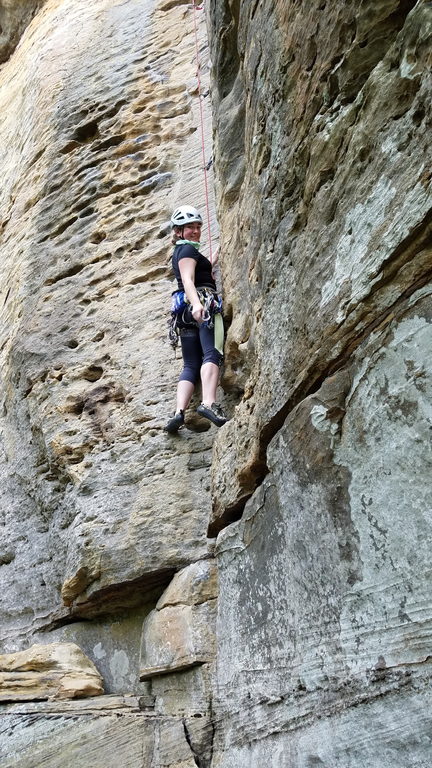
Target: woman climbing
{"points": [[197, 318]]}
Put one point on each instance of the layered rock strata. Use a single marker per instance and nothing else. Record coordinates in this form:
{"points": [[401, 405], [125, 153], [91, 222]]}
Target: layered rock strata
{"points": [[55, 671], [102, 730]]}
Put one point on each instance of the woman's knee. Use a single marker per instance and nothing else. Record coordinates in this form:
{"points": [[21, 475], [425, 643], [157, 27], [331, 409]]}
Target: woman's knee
{"points": [[212, 356], [190, 373]]}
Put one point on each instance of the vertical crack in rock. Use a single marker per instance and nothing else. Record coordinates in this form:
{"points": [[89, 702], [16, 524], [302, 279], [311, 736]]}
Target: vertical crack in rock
{"points": [[197, 761], [201, 749]]}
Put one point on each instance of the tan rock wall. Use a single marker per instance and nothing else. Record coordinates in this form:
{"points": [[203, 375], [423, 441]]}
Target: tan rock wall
{"points": [[55, 671], [101, 120]]}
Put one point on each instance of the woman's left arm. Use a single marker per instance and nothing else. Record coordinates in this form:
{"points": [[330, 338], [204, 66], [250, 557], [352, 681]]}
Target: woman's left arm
{"points": [[187, 271]]}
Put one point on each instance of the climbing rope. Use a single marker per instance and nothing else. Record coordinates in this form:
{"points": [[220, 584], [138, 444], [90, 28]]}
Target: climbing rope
{"points": [[200, 98]]}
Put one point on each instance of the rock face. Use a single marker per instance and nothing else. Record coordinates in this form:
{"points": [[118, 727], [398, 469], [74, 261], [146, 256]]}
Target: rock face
{"points": [[96, 128], [317, 650], [56, 671], [322, 129], [334, 196], [99, 507], [15, 15], [101, 729]]}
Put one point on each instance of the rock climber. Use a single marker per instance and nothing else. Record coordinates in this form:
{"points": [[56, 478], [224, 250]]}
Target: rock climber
{"points": [[196, 319]]}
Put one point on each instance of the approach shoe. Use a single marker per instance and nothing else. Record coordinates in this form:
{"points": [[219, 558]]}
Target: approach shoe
{"points": [[175, 422], [214, 413]]}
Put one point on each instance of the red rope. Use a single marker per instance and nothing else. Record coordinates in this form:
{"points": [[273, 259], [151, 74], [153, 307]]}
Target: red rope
{"points": [[200, 8]]}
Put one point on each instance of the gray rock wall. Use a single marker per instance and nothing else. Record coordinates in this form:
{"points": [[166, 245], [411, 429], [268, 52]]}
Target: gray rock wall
{"points": [[324, 619], [333, 200]]}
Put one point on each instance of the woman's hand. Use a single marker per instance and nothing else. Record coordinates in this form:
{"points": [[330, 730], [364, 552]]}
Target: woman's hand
{"points": [[198, 313]]}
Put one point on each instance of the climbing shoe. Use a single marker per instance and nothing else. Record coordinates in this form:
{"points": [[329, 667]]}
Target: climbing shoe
{"points": [[214, 413], [175, 422]]}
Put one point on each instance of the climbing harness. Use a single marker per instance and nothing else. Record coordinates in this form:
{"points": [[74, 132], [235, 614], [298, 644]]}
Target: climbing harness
{"points": [[181, 315]]}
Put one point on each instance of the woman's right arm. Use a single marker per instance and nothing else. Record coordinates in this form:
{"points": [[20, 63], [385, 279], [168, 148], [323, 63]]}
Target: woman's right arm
{"points": [[187, 272]]}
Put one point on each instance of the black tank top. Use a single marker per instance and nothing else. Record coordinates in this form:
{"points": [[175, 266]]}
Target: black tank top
{"points": [[203, 269]]}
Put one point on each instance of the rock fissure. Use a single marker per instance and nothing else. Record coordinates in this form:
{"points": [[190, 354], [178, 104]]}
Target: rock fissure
{"points": [[197, 761]]}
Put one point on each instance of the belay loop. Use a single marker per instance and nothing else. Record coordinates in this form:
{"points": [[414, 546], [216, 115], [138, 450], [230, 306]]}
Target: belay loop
{"points": [[181, 314]]}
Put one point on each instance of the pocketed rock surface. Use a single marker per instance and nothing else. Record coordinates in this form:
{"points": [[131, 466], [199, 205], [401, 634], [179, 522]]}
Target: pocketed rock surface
{"points": [[259, 594], [101, 138], [98, 126]]}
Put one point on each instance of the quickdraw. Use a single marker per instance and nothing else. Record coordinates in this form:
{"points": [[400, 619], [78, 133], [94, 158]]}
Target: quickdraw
{"points": [[212, 304]]}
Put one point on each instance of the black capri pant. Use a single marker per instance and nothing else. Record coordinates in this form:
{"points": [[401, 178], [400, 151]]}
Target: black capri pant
{"points": [[197, 344]]}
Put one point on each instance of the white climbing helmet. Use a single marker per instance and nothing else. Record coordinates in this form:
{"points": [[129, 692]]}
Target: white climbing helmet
{"points": [[185, 215]]}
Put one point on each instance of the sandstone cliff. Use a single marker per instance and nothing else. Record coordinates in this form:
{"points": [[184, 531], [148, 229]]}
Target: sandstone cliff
{"points": [[259, 596]]}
